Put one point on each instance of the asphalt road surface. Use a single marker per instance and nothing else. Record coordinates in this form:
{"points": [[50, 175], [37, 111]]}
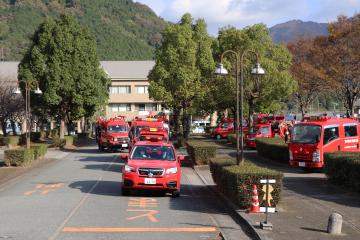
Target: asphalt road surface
{"points": [[79, 197]]}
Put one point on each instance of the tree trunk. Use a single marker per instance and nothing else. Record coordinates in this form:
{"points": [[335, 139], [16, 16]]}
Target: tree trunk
{"points": [[251, 112], [13, 126], [62, 129], [3, 127], [176, 115]]}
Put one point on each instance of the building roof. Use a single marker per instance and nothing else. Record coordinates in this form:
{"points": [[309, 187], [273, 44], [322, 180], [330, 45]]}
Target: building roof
{"points": [[127, 70], [117, 70]]}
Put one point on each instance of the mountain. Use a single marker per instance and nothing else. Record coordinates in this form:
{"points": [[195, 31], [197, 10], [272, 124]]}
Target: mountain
{"points": [[295, 29], [124, 30]]}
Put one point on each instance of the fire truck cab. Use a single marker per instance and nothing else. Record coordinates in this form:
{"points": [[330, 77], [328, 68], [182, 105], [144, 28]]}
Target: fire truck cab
{"points": [[259, 130], [113, 134], [138, 124], [318, 135], [154, 134]]}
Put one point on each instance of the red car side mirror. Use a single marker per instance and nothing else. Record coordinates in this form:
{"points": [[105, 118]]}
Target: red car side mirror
{"points": [[124, 156], [181, 158]]}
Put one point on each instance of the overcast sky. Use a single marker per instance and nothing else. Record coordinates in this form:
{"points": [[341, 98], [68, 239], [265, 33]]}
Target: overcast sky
{"points": [[240, 13]]}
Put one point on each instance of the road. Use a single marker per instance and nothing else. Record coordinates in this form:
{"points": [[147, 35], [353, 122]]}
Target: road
{"points": [[79, 197]]}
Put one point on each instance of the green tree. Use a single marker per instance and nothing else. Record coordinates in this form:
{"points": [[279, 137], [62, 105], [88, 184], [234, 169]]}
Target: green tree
{"points": [[265, 93], [63, 60], [183, 62]]}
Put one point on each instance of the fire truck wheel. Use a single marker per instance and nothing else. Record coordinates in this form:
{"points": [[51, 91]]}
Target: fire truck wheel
{"points": [[218, 137], [175, 194], [101, 147]]}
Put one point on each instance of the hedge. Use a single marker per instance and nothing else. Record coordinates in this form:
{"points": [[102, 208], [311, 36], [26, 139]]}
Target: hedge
{"points": [[83, 135], [343, 168], [69, 140], [200, 152], [39, 150], [236, 181], [231, 138], [35, 136], [58, 143], [273, 148], [54, 133], [12, 140], [18, 157]]}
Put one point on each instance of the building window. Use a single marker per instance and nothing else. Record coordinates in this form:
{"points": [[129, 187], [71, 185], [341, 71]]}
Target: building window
{"points": [[150, 107], [142, 89], [120, 90], [140, 107], [120, 107]]}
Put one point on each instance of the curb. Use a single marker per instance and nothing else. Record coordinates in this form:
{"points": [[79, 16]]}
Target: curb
{"points": [[241, 216]]}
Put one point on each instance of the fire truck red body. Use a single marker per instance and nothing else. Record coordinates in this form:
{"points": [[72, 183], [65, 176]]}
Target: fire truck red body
{"points": [[154, 134], [113, 134], [148, 123], [311, 139], [225, 127], [260, 130]]}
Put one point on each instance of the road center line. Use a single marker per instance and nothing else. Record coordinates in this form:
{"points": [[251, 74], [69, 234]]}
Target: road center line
{"points": [[110, 230], [77, 207]]}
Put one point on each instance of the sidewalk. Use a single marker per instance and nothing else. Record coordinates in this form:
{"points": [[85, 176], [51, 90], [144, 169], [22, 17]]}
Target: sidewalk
{"points": [[307, 201]]}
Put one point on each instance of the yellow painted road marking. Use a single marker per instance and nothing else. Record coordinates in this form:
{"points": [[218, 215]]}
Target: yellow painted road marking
{"points": [[79, 230], [149, 214], [44, 189]]}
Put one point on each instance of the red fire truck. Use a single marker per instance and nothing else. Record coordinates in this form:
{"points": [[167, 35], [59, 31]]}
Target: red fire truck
{"points": [[154, 134], [318, 135], [260, 130], [112, 134], [225, 127], [138, 123]]}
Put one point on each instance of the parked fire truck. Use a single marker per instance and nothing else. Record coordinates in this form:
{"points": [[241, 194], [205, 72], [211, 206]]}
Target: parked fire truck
{"points": [[149, 123], [225, 127], [317, 135], [259, 130], [154, 134], [112, 134]]}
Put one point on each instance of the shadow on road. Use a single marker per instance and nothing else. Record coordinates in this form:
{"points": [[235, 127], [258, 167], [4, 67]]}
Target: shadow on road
{"points": [[106, 188], [105, 167]]}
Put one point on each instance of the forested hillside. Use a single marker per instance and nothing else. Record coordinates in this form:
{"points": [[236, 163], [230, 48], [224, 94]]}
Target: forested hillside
{"points": [[124, 30]]}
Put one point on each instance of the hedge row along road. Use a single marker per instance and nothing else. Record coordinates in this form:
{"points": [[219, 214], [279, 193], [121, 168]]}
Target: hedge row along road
{"points": [[79, 197]]}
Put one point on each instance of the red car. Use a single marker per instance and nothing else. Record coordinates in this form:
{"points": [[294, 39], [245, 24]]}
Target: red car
{"points": [[152, 165]]}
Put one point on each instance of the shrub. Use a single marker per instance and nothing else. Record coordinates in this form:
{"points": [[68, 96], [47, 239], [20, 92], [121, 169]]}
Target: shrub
{"points": [[69, 140], [83, 135], [209, 130], [231, 138], [39, 150], [12, 140], [201, 152], [236, 181], [19, 157], [43, 135], [273, 148], [35, 136], [55, 133], [58, 143], [217, 163], [343, 168]]}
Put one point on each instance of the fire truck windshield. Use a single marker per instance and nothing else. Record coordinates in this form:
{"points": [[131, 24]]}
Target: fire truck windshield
{"points": [[117, 129], [148, 152], [305, 134]]}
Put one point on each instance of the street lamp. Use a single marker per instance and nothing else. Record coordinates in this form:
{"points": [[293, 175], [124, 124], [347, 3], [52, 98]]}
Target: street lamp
{"points": [[28, 85], [257, 70]]}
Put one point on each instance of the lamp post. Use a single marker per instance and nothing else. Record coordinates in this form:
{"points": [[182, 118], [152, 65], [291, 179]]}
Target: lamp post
{"points": [[257, 70], [28, 85]]}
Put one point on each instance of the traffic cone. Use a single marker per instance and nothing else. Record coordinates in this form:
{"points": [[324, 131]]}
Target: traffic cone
{"points": [[255, 206]]}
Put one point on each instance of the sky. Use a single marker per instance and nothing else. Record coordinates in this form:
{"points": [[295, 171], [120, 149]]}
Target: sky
{"points": [[241, 13]]}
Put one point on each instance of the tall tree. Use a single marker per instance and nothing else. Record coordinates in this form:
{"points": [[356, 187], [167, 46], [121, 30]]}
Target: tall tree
{"points": [[63, 60], [182, 63], [306, 71], [263, 93], [341, 58]]}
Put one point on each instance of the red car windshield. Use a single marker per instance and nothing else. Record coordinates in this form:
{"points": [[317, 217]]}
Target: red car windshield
{"points": [[148, 152]]}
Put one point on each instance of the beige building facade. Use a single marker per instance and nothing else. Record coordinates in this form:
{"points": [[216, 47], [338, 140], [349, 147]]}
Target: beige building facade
{"points": [[128, 94]]}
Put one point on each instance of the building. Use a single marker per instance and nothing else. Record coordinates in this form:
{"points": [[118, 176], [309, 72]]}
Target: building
{"points": [[128, 95]]}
